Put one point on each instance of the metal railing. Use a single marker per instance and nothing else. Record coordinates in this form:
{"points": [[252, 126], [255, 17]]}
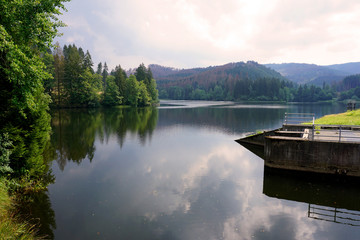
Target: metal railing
{"points": [[319, 132], [335, 215], [298, 118], [338, 133]]}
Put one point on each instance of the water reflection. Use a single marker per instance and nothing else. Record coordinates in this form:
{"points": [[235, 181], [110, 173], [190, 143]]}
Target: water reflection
{"points": [[38, 212], [238, 118], [75, 131], [329, 198], [171, 174], [179, 188]]}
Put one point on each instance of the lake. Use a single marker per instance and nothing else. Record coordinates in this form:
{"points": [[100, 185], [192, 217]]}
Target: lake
{"points": [[175, 172]]}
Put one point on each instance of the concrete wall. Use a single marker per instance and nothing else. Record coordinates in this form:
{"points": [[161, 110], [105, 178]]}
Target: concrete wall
{"points": [[257, 139], [304, 155]]}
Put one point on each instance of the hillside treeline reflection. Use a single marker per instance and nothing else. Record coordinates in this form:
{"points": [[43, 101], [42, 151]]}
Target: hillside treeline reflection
{"points": [[239, 118], [75, 131]]}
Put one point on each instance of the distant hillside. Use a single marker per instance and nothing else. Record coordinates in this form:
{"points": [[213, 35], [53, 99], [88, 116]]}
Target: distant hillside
{"points": [[159, 71], [255, 82], [349, 68], [251, 70], [169, 73], [302, 73], [232, 81]]}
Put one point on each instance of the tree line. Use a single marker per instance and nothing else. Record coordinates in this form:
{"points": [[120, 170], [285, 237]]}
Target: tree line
{"points": [[349, 88], [248, 82], [74, 83], [245, 89]]}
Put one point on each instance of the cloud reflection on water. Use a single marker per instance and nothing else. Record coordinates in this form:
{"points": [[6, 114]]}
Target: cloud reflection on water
{"points": [[187, 183]]}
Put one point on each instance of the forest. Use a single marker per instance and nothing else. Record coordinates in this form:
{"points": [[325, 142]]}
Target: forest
{"points": [[349, 88], [247, 82], [74, 83], [236, 82]]}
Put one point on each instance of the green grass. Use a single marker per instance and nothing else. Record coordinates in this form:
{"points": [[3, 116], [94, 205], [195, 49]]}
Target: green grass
{"points": [[10, 225], [347, 118]]}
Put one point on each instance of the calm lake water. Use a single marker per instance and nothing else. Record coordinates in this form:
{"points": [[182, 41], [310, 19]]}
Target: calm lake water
{"points": [[175, 172]]}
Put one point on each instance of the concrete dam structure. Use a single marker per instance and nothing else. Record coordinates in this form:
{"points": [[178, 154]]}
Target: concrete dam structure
{"points": [[326, 149]]}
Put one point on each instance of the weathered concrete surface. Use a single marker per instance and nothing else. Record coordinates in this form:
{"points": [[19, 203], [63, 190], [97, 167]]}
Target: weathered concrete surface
{"points": [[297, 147], [336, 135], [257, 139], [315, 156], [254, 148]]}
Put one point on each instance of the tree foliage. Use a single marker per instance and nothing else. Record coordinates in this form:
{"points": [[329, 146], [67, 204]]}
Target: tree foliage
{"points": [[76, 84], [112, 95], [27, 29]]}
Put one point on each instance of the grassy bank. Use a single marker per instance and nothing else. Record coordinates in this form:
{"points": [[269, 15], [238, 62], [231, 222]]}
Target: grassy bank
{"points": [[10, 225], [346, 118]]}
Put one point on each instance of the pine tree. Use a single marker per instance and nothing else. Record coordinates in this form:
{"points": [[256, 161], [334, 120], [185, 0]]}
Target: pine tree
{"points": [[59, 62], [88, 63], [73, 67], [120, 78], [99, 68], [104, 74], [141, 72]]}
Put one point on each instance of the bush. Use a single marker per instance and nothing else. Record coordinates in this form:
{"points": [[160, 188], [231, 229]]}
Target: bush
{"points": [[5, 152]]}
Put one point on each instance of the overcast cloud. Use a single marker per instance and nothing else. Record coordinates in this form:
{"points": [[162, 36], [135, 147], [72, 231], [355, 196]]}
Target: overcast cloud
{"points": [[200, 33]]}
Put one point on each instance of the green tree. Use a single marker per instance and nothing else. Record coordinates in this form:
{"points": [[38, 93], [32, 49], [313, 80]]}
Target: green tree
{"points": [[72, 71], [49, 62], [141, 73], [81, 86], [99, 68], [163, 94], [132, 91], [144, 96], [120, 78], [154, 94], [104, 74], [5, 152], [218, 93], [112, 95], [88, 63], [86, 94], [26, 29], [199, 94], [59, 63]]}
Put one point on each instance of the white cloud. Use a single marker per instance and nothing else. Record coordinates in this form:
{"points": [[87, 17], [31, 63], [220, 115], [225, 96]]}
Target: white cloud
{"points": [[190, 33]]}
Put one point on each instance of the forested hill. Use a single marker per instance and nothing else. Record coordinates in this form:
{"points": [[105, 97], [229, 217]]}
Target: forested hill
{"points": [[314, 74], [250, 69], [350, 68], [169, 73], [232, 81]]}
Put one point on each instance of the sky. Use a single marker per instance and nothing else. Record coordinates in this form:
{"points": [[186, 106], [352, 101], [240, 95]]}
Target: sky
{"points": [[201, 33]]}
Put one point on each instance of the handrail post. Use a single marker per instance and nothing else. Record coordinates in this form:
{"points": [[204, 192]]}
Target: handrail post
{"points": [[313, 131], [340, 133]]}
